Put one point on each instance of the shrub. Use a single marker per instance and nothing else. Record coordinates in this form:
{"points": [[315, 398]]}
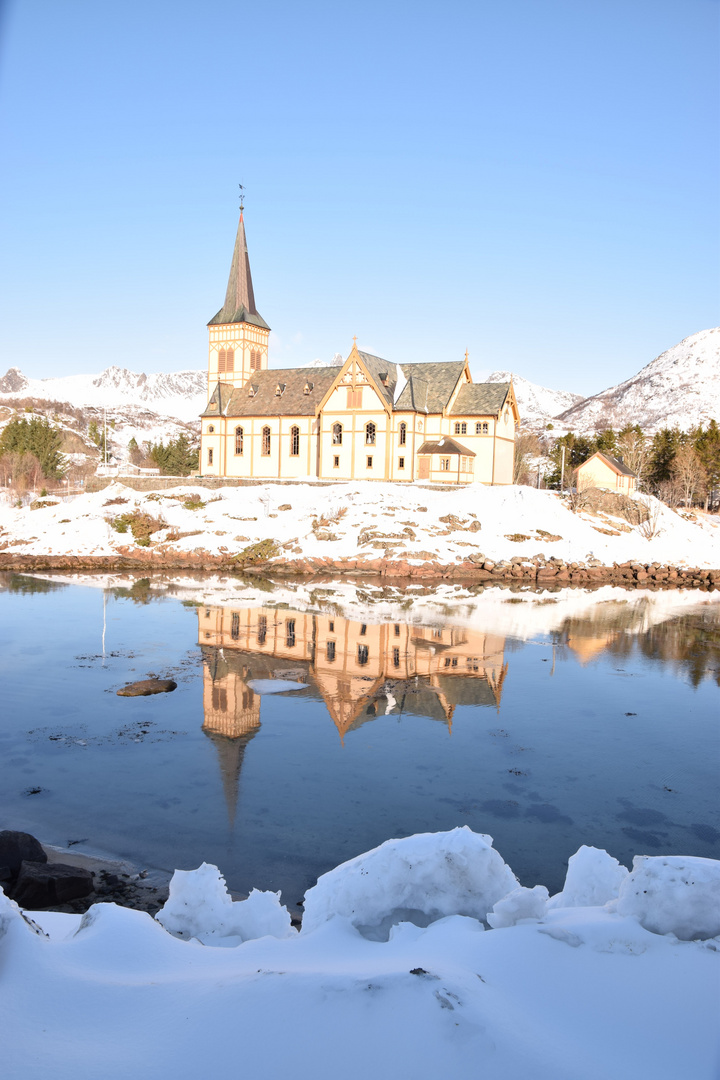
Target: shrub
{"points": [[142, 526]]}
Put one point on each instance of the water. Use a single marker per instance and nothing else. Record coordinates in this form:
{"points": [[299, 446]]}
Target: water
{"points": [[545, 720]]}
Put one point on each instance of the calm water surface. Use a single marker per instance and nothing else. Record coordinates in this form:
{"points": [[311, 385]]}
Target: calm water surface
{"points": [[545, 723]]}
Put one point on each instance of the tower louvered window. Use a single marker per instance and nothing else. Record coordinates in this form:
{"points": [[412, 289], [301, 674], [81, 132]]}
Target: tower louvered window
{"points": [[255, 360], [226, 360]]}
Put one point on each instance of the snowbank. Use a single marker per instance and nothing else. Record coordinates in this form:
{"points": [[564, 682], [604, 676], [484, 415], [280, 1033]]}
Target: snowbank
{"points": [[418, 880], [364, 521], [570, 993], [673, 894], [200, 906]]}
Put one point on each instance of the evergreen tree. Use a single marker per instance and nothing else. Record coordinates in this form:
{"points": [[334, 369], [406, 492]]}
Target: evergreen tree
{"points": [[664, 447], [178, 458], [38, 437]]}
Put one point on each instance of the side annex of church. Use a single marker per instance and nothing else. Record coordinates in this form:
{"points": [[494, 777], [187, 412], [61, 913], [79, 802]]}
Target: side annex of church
{"points": [[368, 419]]}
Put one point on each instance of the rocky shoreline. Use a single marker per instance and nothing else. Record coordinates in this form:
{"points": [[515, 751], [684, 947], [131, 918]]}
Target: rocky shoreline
{"points": [[40, 877], [518, 570]]}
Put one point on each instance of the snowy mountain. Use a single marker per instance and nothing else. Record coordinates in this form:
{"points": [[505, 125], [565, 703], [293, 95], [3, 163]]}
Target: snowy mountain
{"points": [[537, 404], [180, 394], [680, 387]]}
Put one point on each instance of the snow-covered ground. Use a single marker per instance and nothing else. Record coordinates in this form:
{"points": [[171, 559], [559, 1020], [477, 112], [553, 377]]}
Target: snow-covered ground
{"points": [[423, 958], [360, 520]]}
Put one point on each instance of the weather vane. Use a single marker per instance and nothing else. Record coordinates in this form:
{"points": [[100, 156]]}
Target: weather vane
{"points": [[242, 196]]}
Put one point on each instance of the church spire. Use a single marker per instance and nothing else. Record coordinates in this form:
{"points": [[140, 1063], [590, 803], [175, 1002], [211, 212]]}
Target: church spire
{"points": [[239, 303]]}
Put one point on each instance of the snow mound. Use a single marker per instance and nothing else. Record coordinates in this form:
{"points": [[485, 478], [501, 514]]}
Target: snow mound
{"points": [[673, 894], [593, 878], [519, 904], [200, 906], [417, 879]]}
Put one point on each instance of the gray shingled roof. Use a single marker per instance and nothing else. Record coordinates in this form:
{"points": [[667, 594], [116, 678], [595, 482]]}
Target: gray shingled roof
{"points": [[429, 386], [293, 401], [376, 367], [239, 303], [445, 446], [480, 399], [220, 397], [614, 463]]}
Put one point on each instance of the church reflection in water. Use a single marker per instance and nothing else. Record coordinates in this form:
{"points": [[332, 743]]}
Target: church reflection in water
{"points": [[358, 670]]}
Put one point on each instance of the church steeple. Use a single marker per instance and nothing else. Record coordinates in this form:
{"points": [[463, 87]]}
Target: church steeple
{"points": [[239, 303], [238, 345]]}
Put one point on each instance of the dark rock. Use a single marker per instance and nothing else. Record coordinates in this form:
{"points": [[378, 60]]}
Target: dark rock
{"points": [[42, 885], [5, 874], [17, 847], [145, 687]]}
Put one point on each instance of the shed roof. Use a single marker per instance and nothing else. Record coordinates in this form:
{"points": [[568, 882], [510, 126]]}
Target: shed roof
{"points": [[614, 463], [480, 399], [445, 446]]}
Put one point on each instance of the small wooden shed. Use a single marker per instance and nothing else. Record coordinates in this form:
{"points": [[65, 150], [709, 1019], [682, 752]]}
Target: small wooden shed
{"points": [[605, 471]]}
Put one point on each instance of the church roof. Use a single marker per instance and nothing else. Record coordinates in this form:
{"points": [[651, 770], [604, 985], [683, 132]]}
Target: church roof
{"points": [[377, 368], [480, 399], [239, 303], [429, 386], [219, 399], [259, 396]]}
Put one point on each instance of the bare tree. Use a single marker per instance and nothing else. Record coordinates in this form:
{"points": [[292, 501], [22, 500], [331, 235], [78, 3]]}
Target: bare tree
{"points": [[634, 450], [527, 446], [688, 473]]}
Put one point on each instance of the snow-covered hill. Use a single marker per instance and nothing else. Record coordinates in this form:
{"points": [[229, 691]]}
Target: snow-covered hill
{"points": [[680, 387], [537, 404], [179, 394], [148, 408]]}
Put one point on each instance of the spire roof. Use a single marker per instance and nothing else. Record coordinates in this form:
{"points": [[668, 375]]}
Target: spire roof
{"points": [[239, 303]]}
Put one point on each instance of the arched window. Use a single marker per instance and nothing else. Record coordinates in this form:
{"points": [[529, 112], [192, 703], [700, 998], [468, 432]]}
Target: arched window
{"points": [[369, 434], [211, 428], [294, 441], [337, 434], [403, 434], [266, 442], [238, 441]]}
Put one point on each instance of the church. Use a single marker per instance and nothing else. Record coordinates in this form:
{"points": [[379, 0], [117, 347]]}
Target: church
{"points": [[367, 419]]}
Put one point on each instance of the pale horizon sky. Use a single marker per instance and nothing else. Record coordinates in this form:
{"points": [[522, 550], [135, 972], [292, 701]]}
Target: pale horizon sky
{"points": [[534, 180]]}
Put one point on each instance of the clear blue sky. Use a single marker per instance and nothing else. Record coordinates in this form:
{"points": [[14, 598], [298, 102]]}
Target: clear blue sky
{"points": [[534, 180]]}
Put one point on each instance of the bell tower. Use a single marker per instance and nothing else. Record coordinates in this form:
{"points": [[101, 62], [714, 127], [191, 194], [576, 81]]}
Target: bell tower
{"points": [[239, 335]]}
